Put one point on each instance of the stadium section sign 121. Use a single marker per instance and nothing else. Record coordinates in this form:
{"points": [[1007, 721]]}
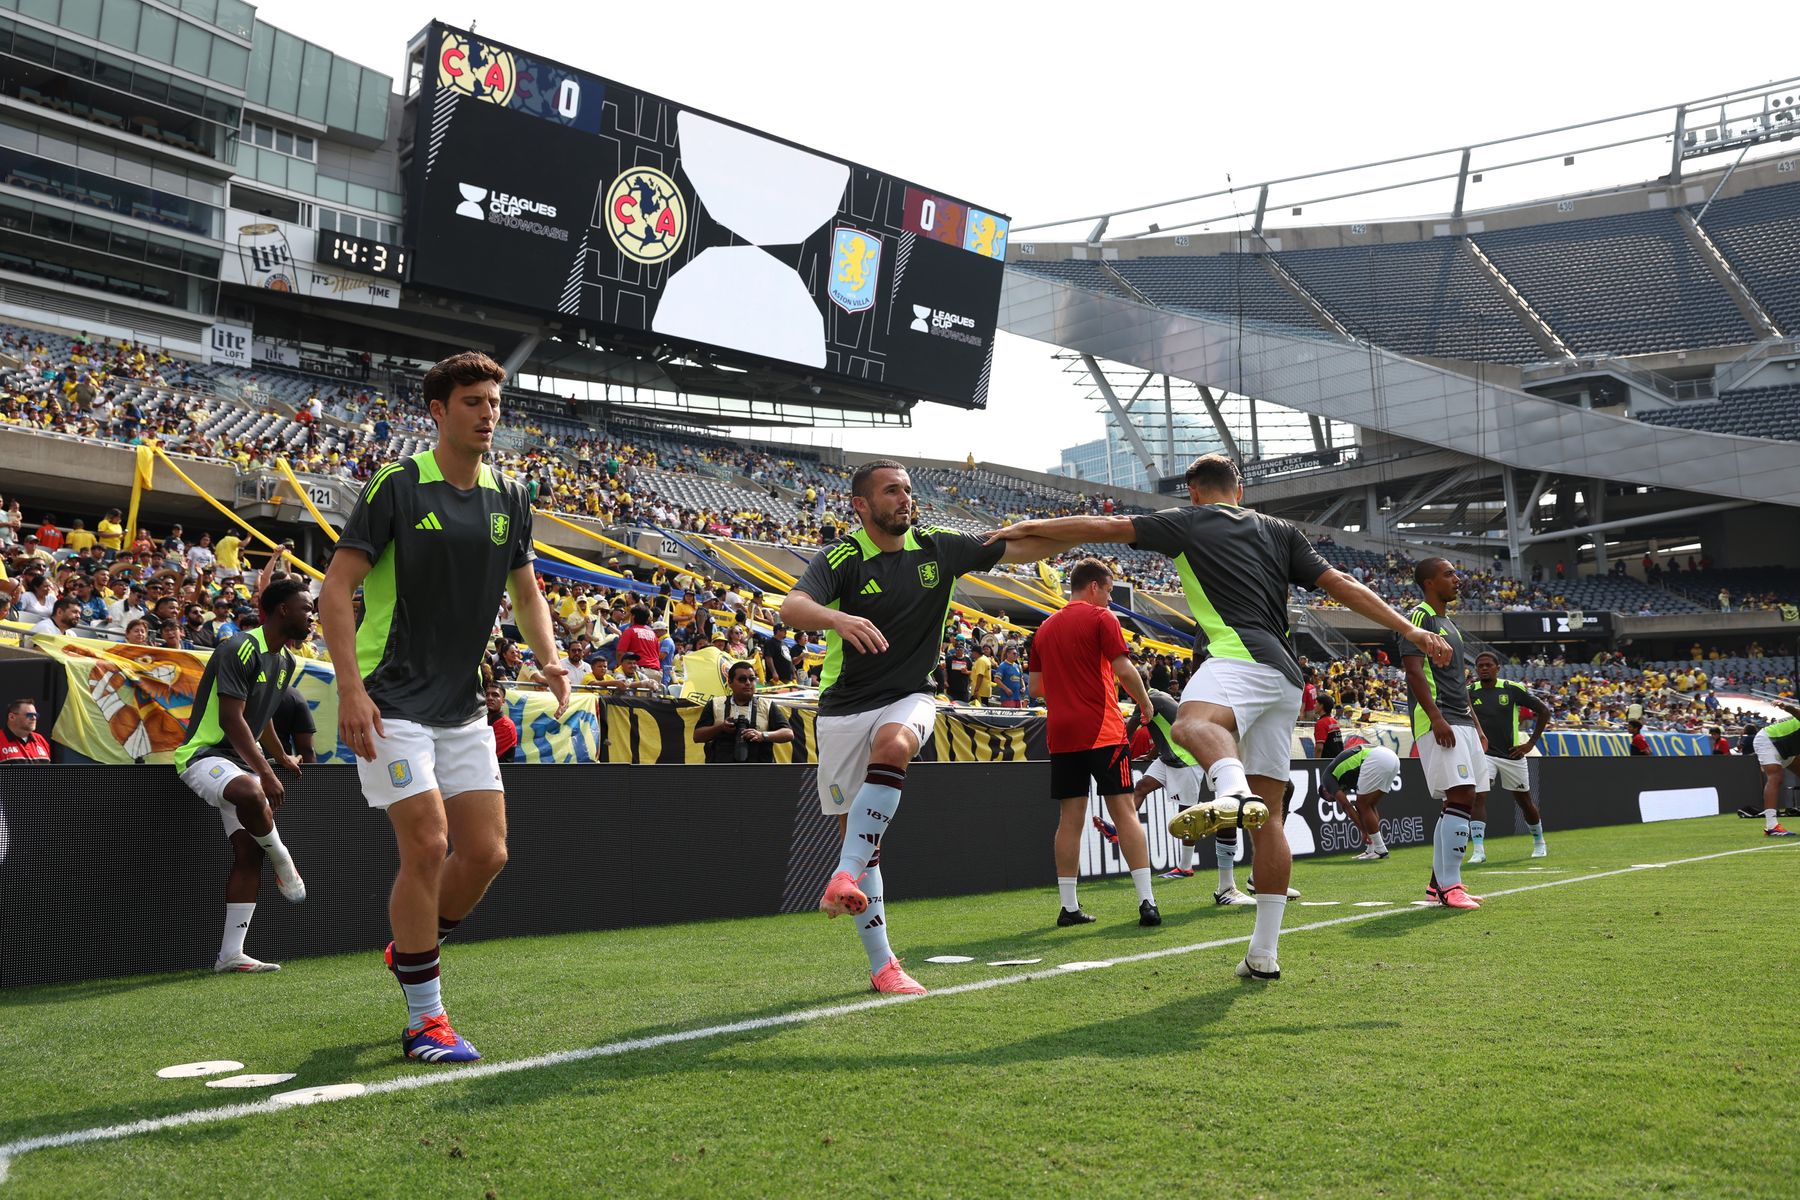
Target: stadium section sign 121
{"points": [[544, 187]]}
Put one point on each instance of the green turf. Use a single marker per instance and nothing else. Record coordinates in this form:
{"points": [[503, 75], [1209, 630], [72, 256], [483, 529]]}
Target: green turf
{"points": [[1607, 1038]]}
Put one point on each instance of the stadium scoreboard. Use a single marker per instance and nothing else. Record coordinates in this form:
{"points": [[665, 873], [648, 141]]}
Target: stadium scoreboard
{"points": [[365, 256], [652, 223]]}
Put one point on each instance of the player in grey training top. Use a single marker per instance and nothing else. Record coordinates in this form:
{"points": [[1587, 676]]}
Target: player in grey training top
{"points": [[1450, 745], [1235, 567], [433, 542]]}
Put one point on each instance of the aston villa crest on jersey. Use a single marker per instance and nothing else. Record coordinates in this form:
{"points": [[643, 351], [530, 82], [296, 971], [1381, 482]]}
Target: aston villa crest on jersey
{"points": [[928, 574], [499, 528]]}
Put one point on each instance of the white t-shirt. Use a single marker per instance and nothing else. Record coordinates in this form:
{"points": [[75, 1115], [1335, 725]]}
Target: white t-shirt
{"points": [[199, 558]]}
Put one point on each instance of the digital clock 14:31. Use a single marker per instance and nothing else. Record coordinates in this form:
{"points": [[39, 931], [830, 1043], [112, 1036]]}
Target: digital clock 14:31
{"points": [[364, 255]]}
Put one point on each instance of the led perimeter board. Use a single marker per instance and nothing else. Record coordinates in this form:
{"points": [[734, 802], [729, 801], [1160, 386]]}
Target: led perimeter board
{"points": [[651, 224]]}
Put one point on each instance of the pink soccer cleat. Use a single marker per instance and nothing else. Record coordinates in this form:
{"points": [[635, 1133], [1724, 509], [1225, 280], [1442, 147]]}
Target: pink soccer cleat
{"points": [[1457, 896], [842, 896], [892, 980]]}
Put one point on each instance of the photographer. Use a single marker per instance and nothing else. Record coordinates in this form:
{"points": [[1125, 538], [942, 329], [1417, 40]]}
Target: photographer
{"points": [[742, 727]]}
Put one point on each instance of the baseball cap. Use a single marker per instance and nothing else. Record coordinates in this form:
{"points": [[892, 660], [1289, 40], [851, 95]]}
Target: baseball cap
{"points": [[660, 624]]}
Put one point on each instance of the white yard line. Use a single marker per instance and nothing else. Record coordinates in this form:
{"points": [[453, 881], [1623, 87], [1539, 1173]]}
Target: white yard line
{"points": [[230, 1112]]}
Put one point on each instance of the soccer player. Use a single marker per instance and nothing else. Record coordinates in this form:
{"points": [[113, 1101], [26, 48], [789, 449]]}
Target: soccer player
{"points": [[1496, 703], [1449, 742], [433, 542], [1359, 778], [1239, 709], [223, 763], [1079, 661], [1775, 746], [881, 593], [1175, 769]]}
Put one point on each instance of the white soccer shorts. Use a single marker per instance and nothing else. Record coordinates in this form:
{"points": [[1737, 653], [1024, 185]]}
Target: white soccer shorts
{"points": [[1380, 772], [1182, 783], [1511, 773], [1265, 703], [208, 778], [1766, 754], [845, 742], [416, 758], [1460, 765]]}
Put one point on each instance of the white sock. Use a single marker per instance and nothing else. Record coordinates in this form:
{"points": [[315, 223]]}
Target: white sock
{"points": [[1376, 843], [1140, 879], [1227, 778], [1065, 885], [1269, 909], [237, 925], [278, 853], [1225, 853], [1768, 818], [1189, 856]]}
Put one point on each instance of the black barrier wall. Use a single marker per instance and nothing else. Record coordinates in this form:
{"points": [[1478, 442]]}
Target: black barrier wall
{"points": [[119, 870]]}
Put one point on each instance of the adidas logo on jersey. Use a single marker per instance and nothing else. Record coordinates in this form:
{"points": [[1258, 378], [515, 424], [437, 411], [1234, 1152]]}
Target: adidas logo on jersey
{"points": [[430, 522], [871, 588]]}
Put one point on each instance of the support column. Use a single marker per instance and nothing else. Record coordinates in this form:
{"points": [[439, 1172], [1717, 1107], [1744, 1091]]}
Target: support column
{"points": [[1126, 427], [521, 354], [1373, 522], [1597, 511]]}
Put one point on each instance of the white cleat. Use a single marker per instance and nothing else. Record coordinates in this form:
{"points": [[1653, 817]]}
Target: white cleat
{"points": [[1539, 850], [287, 878], [1477, 856], [1369, 854], [1232, 897], [1265, 969], [243, 964]]}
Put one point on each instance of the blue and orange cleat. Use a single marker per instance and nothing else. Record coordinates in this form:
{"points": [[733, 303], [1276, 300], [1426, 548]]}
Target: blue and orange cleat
{"points": [[1106, 829], [434, 1041]]}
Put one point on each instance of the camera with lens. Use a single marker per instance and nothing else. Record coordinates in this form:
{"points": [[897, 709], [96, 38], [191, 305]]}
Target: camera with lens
{"points": [[740, 749]]}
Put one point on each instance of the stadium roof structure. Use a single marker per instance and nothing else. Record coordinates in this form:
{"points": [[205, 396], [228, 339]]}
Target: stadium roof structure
{"points": [[1634, 341]]}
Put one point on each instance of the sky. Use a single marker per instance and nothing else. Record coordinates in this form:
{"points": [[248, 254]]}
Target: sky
{"points": [[1085, 109]]}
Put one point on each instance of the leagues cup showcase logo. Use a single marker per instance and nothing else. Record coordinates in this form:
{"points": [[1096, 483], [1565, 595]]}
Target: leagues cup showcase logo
{"points": [[855, 269], [472, 197]]}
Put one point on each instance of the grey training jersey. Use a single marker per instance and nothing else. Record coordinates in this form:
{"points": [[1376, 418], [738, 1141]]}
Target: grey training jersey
{"points": [[1446, 684], [441, 555], [1235, 567]]}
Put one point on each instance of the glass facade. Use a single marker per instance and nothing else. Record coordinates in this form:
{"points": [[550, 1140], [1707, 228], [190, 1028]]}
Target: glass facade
{"points": [[291, 75], [152, 33], [87, 250]]}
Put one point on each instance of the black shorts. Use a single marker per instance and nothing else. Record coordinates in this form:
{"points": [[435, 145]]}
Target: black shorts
{"points": [[1108, 766]]}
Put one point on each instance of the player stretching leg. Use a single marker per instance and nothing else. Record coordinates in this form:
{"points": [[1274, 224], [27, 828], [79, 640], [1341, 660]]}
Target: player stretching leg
{"points": [[433, 541], [1079, 661], [1450, 743], [1776, 747], [1360, 777], [881, 595], [222, 763], [1496, 703], [1175, 769], [1238, 711]]}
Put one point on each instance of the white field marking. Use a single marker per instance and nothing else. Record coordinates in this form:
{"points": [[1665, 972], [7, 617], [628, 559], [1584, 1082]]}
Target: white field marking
{"points": [[1373, 903], [407, 1083]]}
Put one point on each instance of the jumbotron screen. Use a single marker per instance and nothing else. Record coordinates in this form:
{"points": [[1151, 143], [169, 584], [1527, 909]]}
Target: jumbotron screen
{"points": [[544, 187]]}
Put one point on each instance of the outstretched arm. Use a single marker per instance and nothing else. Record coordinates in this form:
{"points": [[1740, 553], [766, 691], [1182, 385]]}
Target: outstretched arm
{"points": [[1065, 532], [1359, 598]]}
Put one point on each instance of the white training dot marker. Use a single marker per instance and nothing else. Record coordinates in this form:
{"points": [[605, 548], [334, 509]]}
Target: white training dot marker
{"points": [[1082, 966], [249, 1081], [949, 958], [319, 1095], [194, 1070], [1015, 962]]}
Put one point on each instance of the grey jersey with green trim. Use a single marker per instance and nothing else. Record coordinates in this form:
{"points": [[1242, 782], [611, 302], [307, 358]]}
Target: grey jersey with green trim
{"points": [[1448, 684], [906, 593], [1235, 566], [244, 668], [441, 556]]}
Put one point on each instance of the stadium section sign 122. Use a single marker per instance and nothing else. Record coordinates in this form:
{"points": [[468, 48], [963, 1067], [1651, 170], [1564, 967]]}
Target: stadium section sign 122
{"points": [[560, 192]]}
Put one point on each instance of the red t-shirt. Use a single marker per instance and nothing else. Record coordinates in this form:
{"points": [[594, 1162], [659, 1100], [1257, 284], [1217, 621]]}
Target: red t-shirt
{"points": [[506, 736], [1322, 729], [32, 748], [1074, 650], [642, 641], [1639, 744]]}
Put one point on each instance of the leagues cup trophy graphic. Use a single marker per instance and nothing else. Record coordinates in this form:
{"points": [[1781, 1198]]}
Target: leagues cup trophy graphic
{"points": [[267, 259]]}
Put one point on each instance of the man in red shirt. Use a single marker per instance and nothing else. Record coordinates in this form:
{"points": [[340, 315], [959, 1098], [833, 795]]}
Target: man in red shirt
{"points": [[49, 534], [1078, 662], [1324, 728], [639, 639], [22, 743], [1640, 745]]}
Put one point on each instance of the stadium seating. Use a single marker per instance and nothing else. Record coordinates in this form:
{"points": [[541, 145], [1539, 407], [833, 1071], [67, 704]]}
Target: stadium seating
{"points": [[1428, 298], [1630, 284], [1229, 286], [1089, 275], [1771, 412], [1759, 235]]}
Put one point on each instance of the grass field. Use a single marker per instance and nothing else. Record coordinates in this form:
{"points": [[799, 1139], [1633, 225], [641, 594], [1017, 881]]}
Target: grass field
{"points": [[1614, 1036]]}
